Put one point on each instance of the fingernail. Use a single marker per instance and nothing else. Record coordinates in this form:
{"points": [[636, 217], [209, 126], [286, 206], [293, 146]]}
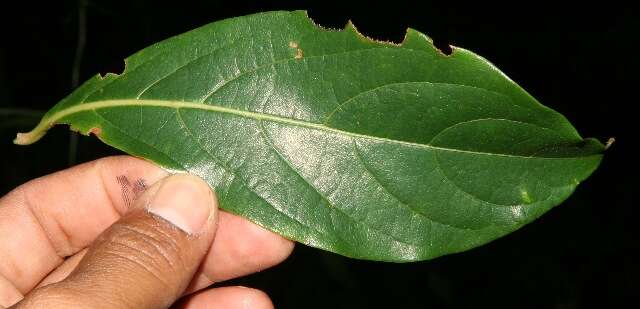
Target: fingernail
{"points": [[185, 201]]}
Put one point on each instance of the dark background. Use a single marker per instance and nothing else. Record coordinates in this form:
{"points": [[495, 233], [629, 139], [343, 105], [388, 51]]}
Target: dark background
{"points": [[579, 60]]}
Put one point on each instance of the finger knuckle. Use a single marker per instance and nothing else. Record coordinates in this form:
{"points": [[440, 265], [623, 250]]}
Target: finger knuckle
{"points": [[150, 247]]}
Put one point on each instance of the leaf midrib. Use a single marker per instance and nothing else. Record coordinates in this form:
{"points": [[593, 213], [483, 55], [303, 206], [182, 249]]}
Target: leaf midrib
{"points": [[90, 106]]}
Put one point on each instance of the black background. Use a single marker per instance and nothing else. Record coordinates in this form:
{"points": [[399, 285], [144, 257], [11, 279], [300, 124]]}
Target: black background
{"points": [[580, 60]]}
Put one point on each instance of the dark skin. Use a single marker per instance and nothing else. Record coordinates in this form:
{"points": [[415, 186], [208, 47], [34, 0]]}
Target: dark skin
{"points": [[120, 232]]}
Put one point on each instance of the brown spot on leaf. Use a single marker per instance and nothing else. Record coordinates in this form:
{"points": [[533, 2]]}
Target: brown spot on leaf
{"points": [[95, 131], [299, 54]]}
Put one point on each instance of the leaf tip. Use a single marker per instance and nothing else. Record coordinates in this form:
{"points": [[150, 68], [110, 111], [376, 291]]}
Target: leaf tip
{"points": [[610, 142]]}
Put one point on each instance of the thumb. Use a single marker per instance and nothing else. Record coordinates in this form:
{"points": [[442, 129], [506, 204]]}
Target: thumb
{"points": [[146, 259]]}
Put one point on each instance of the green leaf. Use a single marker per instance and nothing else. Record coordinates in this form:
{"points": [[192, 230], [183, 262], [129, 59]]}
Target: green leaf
{"points": [[372, 150]]}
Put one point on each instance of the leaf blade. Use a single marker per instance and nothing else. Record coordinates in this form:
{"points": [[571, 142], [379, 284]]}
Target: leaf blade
{"points": [[327, 137]]}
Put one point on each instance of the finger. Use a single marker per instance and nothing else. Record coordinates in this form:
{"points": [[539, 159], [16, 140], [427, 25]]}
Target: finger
{"points": [[47, 226], [55, 216], [63, 271], [240, 248], [146, 259], [227, 298], [8, 293]]}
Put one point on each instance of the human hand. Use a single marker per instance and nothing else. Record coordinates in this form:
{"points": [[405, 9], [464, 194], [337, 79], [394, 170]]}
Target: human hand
{"points": [[119, 233]]}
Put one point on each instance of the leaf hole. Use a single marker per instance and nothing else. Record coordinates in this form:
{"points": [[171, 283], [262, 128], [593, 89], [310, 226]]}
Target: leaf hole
{"points": [[443, 47], [115, 66]]}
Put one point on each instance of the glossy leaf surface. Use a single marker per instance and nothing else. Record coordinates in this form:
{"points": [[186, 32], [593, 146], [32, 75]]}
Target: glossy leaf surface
{"points": [[369, 149]]}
